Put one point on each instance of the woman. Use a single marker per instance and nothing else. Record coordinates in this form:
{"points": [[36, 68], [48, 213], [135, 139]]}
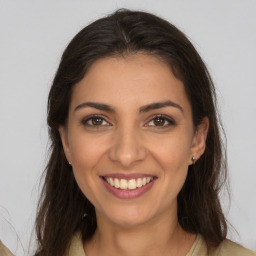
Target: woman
{"points": [[136, 160]]}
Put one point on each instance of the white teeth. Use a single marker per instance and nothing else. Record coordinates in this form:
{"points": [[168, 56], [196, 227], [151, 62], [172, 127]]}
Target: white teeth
{"points": [[139, 182], [116, 183], [123, 184], [111, 182], [132, 184], [128, 184]]}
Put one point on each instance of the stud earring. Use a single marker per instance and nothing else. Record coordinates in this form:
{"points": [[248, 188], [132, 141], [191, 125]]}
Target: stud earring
{"points": [[84, 215], [70, 163], [193, 159]]}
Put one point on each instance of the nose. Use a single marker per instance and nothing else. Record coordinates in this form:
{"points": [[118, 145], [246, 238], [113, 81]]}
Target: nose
{"points": [[128, 147]]}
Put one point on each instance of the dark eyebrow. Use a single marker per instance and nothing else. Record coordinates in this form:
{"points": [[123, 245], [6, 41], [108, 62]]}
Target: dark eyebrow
{"points": [[142, 109], [157, 105], [96, 105]]}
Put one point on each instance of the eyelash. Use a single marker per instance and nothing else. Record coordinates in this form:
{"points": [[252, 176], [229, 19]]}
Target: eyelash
{"points": [[167, 119], [90, 118]]}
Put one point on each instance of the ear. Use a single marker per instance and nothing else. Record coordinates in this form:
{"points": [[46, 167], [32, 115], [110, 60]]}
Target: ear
{"points": [[199, 140], [65, 144]]}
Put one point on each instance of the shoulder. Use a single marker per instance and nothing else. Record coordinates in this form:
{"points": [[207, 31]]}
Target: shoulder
{"points": [[4, 251], [76, 246], [228, 247]]}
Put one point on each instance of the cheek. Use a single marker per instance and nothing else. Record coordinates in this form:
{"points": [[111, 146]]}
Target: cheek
{"points": [[86, 152], [173, 151], [172, 155]]}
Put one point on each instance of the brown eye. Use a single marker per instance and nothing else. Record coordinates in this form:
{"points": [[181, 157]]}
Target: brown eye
{"points": [[95, 121], [159, 121]]}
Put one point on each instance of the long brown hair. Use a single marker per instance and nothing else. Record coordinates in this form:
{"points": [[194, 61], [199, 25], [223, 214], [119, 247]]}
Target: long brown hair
{"points": [[62, 205]]}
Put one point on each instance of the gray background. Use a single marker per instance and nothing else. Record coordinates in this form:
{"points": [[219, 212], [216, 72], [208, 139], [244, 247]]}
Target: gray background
{"points": [[33, 36]]}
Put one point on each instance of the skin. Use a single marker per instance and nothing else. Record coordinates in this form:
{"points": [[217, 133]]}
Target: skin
{"points": [[129, 141]]}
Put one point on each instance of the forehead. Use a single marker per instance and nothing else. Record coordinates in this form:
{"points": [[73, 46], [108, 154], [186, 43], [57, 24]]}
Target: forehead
{"points": [[133, 79]]}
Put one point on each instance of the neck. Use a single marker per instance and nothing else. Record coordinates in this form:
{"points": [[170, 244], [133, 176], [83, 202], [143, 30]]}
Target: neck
{"points": [[159, 237]]}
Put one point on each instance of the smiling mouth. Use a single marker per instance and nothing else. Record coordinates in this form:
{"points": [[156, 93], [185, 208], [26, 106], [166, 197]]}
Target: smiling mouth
{"points": [[131, 184]]}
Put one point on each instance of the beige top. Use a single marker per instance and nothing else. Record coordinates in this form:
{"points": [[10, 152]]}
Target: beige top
{"points": [[226, 248], [4, 251]]}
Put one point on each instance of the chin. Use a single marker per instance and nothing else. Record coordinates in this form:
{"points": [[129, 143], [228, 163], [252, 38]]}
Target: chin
{"points": [[128, 217]]}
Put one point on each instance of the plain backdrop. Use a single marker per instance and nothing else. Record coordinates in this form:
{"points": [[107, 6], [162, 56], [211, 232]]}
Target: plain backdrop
{"points": [[33, 35]]}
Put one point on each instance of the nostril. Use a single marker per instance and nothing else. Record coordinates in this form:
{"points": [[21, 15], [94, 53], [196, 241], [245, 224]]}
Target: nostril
{"points": [[127, 156]]}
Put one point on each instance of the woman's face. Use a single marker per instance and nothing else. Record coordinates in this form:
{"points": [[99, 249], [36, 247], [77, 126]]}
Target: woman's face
{"points": [[130, 138]]}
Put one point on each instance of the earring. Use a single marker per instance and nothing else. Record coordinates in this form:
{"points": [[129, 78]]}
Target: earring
{"points": [[84, 215], [193, 159], [70, 163]]}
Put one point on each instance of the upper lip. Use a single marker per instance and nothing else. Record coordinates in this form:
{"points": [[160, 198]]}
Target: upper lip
{"points": [[128, 176]]}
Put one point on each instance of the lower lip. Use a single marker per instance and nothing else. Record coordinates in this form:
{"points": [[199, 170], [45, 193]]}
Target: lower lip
{"points": [[127, 193]]}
